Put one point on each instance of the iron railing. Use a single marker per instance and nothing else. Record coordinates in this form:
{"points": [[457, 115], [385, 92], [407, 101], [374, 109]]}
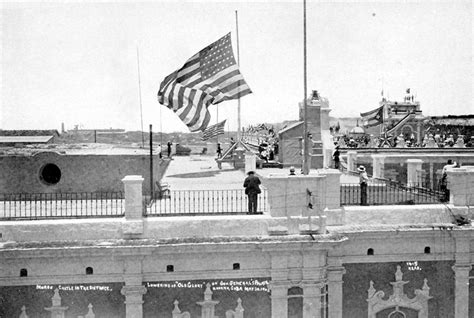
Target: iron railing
{"points": [[387, 192], [203, 202], [35, 206]]}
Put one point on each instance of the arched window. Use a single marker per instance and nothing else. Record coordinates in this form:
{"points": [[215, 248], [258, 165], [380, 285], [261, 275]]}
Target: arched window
{"points": [[295, 302]]}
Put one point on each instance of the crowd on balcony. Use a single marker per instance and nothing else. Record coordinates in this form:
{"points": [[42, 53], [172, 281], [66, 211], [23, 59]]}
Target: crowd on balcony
{"points": [[265, 139], [439, 140]]}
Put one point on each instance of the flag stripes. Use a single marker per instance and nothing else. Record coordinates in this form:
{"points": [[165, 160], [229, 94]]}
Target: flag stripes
{"points": [[214, 130], [373, 117], [207, 78]]}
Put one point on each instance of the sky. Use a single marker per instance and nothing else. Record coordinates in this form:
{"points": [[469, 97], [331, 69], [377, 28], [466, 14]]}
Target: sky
{"points": [[76, 62]]}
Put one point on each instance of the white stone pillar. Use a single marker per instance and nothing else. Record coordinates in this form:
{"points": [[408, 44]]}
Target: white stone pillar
{"points": [[279, 298], [133, 197], [461, 290], [460, 185], [311, 300], [414, 172], [132, 226], [351, 160], [335, 282], [133, 300], [378, 166], [250, 162]]}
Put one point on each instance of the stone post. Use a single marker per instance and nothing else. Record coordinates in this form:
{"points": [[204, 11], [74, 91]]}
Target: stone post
{"points": [[133, 197], [378, 166], [279, 299], [461, 290], [133, 222], [460, 185], [250, 162], [414, 172], [351, 160], [335, 281]]}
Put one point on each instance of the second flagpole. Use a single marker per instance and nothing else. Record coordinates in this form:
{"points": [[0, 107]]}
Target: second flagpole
{"points": [[306, 147], [238, 63]]}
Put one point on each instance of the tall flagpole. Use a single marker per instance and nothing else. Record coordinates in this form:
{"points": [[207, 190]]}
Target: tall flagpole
{"points": [[238, 63], [140, 96], [306, 140]]}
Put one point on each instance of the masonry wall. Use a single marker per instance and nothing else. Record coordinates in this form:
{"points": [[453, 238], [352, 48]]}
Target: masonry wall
{"points": [[106, 299], [253, 292], [79, 173]]}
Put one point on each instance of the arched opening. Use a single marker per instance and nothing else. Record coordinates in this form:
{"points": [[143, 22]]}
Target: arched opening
{"points": [[295, 302], [89, 271], [23, 272], [370, 251], [427, 250]]}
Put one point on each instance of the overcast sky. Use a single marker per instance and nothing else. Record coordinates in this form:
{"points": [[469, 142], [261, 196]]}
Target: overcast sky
{"points": [[76, 62]]}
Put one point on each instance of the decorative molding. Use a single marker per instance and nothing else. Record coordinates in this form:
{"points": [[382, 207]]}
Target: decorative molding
{"points": [[398, 299]]}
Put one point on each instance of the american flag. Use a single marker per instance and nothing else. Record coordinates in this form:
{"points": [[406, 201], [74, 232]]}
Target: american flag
{"points": [[214, 130], [208, 77]]}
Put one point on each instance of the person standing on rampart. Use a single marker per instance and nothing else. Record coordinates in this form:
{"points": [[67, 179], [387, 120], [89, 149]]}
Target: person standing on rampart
{"points": [[169, 148], [252, 189], [363, 180], [335, 156], [444, 180]]}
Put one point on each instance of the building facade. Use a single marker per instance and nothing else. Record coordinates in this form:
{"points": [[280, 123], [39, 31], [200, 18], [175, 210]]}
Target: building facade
{"points": [[297, 260]]}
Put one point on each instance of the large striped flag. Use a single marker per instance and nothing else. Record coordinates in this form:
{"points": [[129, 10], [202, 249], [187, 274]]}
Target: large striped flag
{"points": [[372, 118], [208, 77], [214, 130]]}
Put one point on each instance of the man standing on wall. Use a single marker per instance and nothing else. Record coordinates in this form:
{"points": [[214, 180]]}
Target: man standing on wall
{"points": [[336, 154], [169, 148], [252, 189], [444, 180], [363, 179]]}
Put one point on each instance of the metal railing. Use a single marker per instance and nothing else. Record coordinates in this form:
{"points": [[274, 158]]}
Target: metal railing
{"points": [[203, 202], [387, 192], [35, 206]]}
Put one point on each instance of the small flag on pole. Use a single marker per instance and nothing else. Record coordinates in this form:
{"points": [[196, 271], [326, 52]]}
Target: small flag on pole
{"points": [[214, 130], [208, 77]]}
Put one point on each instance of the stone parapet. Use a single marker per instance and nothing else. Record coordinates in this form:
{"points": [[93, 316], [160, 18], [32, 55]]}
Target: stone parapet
{"points": [[461, 185], [288, 196], [397, 214]]}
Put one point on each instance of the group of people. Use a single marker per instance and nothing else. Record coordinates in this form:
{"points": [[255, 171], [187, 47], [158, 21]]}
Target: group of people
{"points": [[404, 141], [268, 151]]}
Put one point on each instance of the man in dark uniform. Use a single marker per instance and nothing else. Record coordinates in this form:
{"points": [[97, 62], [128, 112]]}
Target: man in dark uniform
{"points": [[252, 189], [169, 148]]}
